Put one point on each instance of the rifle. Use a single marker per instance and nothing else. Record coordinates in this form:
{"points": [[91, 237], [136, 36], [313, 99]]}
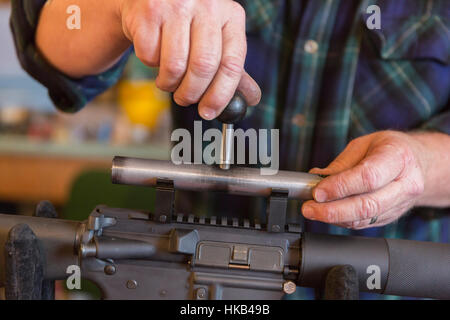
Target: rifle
{"points": [[133, 254]]}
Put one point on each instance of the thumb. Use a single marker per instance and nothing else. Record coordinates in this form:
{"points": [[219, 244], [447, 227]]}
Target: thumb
{"points": [[353, 153], [249, 89]]}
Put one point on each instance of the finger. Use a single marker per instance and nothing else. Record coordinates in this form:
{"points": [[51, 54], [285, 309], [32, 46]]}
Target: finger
{"points": [[386, 218], [174, 54], [204, 58], [147, 43], [249, 89], [353, 153], [230, 72], [364, 224], [357, 208], [373, 172]]}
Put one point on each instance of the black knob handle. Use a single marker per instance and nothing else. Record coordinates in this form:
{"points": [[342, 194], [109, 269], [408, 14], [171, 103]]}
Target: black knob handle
{"points": [[235, 110]]}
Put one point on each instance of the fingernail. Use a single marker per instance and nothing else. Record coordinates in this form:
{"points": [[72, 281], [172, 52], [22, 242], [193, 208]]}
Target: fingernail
{"points": [[208, 113], [320, 195], [308, 212]]}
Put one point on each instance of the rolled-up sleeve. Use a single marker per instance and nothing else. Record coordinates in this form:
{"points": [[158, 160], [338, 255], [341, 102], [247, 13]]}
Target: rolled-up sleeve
{"points": [[68, 94]]}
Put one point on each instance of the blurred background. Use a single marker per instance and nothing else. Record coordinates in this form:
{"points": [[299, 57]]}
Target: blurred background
{"points": [[66, 158]]}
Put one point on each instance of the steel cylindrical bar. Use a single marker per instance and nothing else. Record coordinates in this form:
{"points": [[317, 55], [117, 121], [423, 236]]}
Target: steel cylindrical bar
{"points": [[227, 145], [199, 177]]}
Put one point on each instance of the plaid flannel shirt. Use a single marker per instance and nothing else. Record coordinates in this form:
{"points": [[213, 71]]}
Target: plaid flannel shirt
{"points": [[325, 77]]}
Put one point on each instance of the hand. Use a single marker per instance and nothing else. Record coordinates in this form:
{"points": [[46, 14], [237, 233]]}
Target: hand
{"points": [[199, 46], [373, 182]]}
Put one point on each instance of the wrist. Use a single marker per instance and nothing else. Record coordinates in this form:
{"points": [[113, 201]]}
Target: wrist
{"points": [[431, 150]]}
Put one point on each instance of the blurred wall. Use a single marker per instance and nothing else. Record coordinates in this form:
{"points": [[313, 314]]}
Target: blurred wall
{"points": [[16, 87]]}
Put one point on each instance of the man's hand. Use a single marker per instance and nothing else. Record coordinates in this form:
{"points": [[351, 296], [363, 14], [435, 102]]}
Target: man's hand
{"points": [[379, 177], [199, 45]]}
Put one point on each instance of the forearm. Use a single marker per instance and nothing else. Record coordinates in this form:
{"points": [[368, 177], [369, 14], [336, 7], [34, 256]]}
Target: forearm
{"points": [[436, 163], [94, 48]]}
